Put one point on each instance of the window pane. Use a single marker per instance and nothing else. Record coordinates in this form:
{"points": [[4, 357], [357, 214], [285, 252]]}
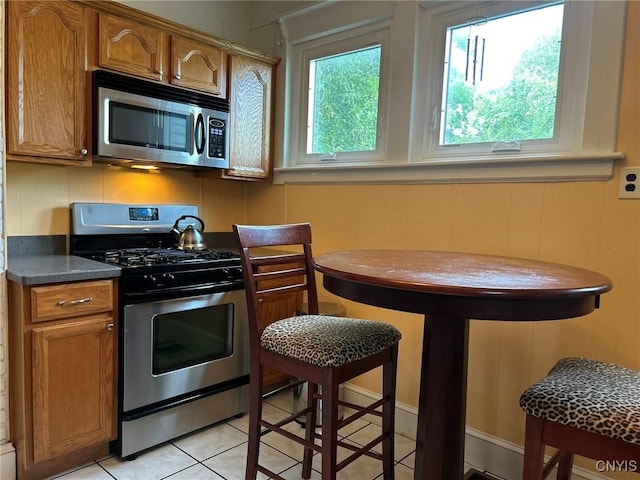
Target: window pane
{"points": [[501, 78], [343, 102]]}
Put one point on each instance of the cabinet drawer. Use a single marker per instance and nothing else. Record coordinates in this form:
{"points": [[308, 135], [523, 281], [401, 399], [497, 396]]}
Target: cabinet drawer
{"points": [[51, 302]]}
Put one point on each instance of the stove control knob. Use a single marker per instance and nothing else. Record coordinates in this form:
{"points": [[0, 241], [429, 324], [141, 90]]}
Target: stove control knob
{"points": [[223, 274], [150, 282], [235, 273], [168, 280]]}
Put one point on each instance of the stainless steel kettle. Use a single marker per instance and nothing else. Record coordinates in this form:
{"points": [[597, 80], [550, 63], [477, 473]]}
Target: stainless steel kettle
{"points": [[190, 238]]}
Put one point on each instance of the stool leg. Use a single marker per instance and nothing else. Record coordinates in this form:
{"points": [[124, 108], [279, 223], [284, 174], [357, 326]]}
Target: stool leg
{"points": [[533, 449], [255, 414], [312, 403], [329, 426], [565, 466], [389, 374]]}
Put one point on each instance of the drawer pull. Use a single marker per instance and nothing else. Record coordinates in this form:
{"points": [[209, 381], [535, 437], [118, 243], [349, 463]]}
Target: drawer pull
{"points": [[110, 327], [71, 303]]}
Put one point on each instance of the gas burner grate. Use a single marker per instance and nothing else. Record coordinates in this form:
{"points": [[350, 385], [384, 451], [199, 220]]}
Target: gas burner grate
{"points": [[145, 256]]}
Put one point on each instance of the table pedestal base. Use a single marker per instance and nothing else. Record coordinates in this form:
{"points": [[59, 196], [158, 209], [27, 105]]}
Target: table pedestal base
{"points": [[443, 396]]}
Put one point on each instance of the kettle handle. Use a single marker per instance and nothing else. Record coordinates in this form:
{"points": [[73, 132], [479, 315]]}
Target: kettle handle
{"points": [[175, 225]]}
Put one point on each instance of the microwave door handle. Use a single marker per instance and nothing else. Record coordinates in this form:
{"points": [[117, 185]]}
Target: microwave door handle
{"points": [[199, 134]]}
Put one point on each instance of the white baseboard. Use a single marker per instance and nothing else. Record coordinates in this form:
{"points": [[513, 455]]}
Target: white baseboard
{"points": [[7, 461], [485, 452]]}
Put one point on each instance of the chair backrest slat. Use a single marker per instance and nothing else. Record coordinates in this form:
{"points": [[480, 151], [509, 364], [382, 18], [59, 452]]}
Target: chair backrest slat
{"points": [[280, 274], [300, 287], [277, 259]]}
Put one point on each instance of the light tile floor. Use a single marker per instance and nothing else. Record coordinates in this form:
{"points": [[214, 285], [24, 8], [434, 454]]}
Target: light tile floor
{"points": [[219, 452]]}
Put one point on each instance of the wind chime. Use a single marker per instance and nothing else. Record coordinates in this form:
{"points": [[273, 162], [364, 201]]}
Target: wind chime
{"points": [[472, 51]]}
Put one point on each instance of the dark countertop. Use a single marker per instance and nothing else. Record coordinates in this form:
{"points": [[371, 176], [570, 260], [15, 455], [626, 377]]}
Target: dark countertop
{"points": [[43, 269]]}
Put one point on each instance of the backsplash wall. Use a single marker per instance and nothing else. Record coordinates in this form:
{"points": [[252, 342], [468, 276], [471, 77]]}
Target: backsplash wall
{"points": [[221, 202]]}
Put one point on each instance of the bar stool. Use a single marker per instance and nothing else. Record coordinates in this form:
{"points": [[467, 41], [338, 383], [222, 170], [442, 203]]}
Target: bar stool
{"points": [[322, 350], [582, 407]]}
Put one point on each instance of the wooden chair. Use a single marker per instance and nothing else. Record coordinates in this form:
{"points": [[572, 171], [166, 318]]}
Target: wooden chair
{"points": [[582, 407], [322, 350]]}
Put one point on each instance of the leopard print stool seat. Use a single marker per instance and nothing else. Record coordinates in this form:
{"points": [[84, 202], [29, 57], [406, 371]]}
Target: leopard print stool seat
{"points": [[599, 397], [327, 341]]}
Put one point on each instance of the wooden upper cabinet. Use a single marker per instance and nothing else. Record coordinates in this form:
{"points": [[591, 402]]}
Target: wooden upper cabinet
{"points": [[47, 55], [198, 66], [251, 118], [131, 47]]}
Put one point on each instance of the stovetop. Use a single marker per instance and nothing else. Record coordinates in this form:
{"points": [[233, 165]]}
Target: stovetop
{"points": [[138, 257], [139, 240]]}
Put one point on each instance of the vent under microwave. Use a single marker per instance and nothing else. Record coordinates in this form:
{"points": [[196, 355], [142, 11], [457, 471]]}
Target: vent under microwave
{"points": [[137, 122]]}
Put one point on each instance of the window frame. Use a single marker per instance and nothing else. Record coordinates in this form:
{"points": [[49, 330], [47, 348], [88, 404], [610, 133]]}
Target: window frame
{"points": [[565, 133], [335, 44], [409, 109], [459, 21]]}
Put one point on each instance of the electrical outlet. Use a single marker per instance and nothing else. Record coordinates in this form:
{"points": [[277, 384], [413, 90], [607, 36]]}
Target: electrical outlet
{"points": [[629, 182]]}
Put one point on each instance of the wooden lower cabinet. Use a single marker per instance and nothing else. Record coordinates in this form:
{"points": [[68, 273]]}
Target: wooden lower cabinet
{"points": [[72, 386], [63, 375], [277, 308]]}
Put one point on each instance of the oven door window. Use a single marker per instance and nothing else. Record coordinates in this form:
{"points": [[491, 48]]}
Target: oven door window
{"points": [[190, 337]]}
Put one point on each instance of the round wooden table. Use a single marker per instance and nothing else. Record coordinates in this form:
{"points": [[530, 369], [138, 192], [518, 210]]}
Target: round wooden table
{"points": [[450, 288]]}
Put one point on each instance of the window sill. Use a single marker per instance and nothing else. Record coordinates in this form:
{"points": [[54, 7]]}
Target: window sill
{"points": [[505, 169]]}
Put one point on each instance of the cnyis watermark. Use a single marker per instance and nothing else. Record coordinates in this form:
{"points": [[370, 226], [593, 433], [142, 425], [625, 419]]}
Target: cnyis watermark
{"points": [[617, 465]]}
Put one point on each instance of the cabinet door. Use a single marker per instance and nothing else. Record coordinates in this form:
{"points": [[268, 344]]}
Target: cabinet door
{"points": [[198, 66], [47, 48], [277, 308], [73, 385], [130, 47], [250, 92]]}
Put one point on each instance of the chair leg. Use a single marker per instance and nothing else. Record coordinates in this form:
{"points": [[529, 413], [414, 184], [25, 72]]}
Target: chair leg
{"points": [[329, 427], [312, 402], [389, 373], [533, 449], [565, 466], [255, 414]]}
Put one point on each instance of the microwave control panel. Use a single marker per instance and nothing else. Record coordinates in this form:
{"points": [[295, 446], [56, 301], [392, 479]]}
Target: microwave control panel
{"points": [[217, 136]]}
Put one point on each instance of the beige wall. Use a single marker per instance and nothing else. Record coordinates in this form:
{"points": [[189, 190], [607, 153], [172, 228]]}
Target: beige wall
{"points": [[222, 19], [38, 196]]}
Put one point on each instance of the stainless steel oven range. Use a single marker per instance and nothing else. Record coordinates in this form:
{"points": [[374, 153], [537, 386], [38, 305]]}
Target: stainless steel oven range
{"points": [[183, 359]]}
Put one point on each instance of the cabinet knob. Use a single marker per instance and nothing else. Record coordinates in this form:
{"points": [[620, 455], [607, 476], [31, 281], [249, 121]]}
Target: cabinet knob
{"points": [[84, 152], [178, 76], [110, 327]]}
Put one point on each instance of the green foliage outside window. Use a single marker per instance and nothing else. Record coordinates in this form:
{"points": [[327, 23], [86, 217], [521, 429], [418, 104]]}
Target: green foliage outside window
{"points": [[345, 102], [522, 109]]}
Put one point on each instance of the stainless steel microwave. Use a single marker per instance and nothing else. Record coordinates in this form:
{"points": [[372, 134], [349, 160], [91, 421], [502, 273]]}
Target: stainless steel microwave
{"points": [[140, 123]]}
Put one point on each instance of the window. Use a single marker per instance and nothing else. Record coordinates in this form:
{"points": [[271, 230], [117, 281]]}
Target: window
{"points": [[500, 79], [338, 106], [452, 104], [517, 80], [343, 102]]}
